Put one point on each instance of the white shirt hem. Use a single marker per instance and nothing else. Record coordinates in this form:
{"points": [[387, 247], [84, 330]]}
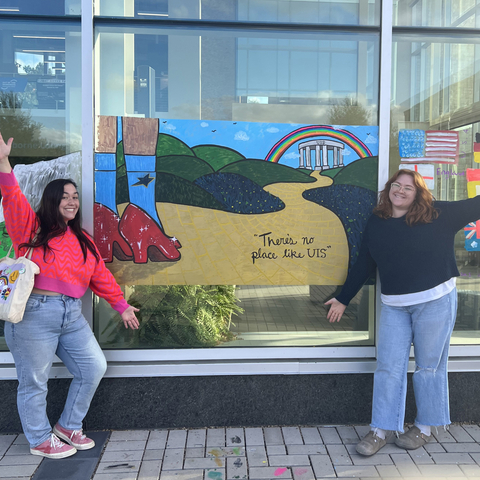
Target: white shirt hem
{"points": [[420, 297]]}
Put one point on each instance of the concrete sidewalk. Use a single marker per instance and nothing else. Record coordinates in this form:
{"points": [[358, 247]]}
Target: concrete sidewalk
{"points": [[298, 453]]}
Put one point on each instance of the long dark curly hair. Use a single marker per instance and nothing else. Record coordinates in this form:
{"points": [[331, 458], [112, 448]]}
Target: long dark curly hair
{"points": [[420, 211], [51, 223]]}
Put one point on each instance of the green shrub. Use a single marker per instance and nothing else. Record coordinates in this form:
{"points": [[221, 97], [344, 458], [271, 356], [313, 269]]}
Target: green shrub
{"points": [[183, 315]]}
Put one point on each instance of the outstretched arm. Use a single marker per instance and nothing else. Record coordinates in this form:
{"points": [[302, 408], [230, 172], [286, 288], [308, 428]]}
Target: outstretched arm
{"points": [[5, 149]]}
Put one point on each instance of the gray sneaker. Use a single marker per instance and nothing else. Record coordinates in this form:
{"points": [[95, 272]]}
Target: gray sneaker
{"points": [[370, 444], [412, 439]]}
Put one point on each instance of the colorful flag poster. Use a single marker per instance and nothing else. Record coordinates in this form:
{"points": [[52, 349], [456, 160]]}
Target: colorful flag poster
{"points": [[431, 146], [476, 148], [472, 230], [473, 182], [473, 174], [426, 171], [472, 236], [476, 152]]}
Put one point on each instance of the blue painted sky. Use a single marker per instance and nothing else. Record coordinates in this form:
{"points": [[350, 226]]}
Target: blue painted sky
{"points": [[254, 140]]}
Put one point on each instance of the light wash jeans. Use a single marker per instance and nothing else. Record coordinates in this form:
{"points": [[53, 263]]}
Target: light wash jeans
{"points": [[53, 325], [429, 327]]}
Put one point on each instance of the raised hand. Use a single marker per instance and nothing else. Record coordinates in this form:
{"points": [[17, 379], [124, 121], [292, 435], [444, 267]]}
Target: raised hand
{"points": [[5, 148]]}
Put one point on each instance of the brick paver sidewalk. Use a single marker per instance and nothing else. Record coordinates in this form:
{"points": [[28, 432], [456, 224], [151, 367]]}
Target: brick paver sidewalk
{"points": [[298, 453]]}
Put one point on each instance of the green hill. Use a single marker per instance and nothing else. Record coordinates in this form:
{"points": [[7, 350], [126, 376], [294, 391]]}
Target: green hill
{"points": [[169, 145], [332, 172], [306, 171], [362, 173], [216, 156], [265, 173], [173, 189], [184, 166]]}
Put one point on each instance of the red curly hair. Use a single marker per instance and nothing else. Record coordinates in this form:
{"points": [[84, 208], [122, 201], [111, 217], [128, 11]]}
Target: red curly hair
{"points": [[420, 211]]}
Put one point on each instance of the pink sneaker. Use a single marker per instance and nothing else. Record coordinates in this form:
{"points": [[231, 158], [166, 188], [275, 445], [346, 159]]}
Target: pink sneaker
{"points": [[53, 448], [76, 438]]}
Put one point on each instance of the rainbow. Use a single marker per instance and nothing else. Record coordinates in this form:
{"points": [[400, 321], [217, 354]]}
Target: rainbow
{"points": [[314, 131]]}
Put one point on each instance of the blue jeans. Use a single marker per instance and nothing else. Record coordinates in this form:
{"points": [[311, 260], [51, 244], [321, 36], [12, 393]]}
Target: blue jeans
{"points": [[429, 327], [53, 325]]}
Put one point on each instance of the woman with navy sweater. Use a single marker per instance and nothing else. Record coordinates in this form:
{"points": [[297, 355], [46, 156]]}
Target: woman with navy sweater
{"points": [[410, 239]]}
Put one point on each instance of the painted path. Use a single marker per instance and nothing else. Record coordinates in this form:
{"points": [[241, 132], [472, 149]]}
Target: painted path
{"points": [[218, 247]]}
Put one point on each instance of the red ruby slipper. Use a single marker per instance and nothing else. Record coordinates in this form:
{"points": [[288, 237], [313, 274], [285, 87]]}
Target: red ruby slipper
{"points": [[146, 238], [108, 238]]}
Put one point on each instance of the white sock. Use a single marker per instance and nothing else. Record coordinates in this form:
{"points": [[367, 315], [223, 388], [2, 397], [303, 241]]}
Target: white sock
{"points": [[425, 429], [380, 433]]}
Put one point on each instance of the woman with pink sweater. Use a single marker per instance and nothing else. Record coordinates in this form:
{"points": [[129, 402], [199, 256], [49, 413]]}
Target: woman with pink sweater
{"points": [[53, 323]]}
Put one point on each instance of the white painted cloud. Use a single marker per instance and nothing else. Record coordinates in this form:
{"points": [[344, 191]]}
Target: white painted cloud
{"points": [[241, 135], [291, 155], [170, 127], [272, 130], [346, 152], [371, 139], [204, 124]]}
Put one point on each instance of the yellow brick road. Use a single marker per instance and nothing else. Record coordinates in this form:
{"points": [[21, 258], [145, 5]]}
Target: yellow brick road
{"points": [[217, 247]]}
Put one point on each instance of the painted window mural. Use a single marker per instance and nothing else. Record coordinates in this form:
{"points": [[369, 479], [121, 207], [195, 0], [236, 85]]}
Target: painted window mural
{"points": [[211, 202], [199, 217]]}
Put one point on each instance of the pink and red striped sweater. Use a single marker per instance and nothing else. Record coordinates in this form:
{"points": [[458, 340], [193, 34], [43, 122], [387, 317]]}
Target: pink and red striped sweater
{"points": [[63, 269]]}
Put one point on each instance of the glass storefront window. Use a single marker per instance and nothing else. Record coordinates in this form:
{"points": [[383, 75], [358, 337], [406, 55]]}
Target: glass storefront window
{"points": [[40, 106], [272, 316], [343, 12], [286, 77], [40, 73], [33, 7], [187, 80], [435, 89], [435, 13]]}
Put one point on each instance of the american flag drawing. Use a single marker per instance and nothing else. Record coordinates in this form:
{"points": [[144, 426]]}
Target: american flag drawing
{"points": [[441, 146], [434, 147]]}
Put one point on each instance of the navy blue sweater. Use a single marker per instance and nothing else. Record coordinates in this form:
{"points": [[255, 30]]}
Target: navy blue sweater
{"points": [[410, 259]]}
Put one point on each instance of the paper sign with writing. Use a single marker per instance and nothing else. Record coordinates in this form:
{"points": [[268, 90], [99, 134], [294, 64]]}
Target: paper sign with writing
{"points": [[426, 171]]}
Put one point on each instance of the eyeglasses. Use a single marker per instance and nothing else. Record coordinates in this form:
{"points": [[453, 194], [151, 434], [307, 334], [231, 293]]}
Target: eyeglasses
{"points": [[406, 188]]}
